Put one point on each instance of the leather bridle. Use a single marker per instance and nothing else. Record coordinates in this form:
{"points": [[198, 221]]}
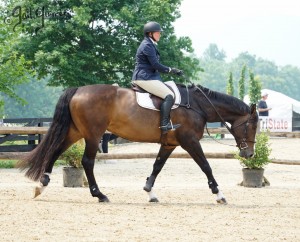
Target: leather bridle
{"points": [[241, 143]]}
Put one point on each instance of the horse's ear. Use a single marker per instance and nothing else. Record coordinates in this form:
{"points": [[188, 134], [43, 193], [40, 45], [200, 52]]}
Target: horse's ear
{"points": [[253, 107]]}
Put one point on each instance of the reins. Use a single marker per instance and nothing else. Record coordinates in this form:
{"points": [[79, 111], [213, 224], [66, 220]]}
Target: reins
{"points": [[221, 118]]}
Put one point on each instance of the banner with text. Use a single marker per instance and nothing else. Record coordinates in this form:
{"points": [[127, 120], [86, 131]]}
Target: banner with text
{"points": [[276, 124]]}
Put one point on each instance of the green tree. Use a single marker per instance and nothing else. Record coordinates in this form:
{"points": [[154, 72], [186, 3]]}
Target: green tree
{"points": [[214, 75], [289, 78], [230, 87], [242, 83], [13, 67], [265, 67], [254, 88], [96, 41], [245, 58], [40, 100], [285, 79], [213, 53]]}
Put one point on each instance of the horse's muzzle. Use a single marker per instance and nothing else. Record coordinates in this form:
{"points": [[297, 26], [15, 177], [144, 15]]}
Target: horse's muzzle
{"points": [[246, 153]]}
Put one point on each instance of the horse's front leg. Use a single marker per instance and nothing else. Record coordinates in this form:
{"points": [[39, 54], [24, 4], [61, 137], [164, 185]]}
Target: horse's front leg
{"points": [[88, 161], [159, 163], [194, 148]]}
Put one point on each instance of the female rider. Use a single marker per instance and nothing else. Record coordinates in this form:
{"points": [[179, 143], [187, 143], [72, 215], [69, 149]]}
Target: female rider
{"points": [[147, 73]]}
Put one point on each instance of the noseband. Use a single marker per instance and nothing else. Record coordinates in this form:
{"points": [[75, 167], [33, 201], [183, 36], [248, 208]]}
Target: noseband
{"points": [[242, 145]]}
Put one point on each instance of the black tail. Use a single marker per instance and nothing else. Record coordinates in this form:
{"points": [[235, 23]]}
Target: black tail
{"points": [[51, 146]]}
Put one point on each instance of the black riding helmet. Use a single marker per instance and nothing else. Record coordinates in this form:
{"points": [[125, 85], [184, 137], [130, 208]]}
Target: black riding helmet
{"points": [[152, 27]]}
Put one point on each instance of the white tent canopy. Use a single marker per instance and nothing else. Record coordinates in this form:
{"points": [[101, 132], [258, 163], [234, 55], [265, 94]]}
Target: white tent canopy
{"points": [[280, 117], [282, 105]]}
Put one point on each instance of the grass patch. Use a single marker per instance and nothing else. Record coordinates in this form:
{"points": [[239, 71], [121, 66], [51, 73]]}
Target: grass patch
{"points": [[6, 164], [60, 163]]}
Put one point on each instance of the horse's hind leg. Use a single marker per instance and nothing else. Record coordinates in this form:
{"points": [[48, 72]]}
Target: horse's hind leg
{"points": [[88, 161], [159, 163], [45, 179], [73, 136]]}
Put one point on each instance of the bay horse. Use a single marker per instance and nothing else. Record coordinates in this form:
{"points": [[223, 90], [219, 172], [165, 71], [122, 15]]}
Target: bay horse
{"points": [[88, 111]]}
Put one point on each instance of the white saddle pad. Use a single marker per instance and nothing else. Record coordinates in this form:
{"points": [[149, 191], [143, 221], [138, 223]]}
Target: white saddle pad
{"points": [[144, 100]]}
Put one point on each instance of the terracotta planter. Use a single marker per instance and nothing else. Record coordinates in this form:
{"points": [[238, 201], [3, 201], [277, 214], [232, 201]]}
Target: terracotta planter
{"points": [[253, 177], [72, 177]]}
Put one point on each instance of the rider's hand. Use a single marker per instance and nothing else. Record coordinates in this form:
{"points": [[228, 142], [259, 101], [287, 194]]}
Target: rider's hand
{"points": [[176, 71]]}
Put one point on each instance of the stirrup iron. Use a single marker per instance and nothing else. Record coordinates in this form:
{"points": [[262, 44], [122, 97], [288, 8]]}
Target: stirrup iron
{"points": [[169, 126]]}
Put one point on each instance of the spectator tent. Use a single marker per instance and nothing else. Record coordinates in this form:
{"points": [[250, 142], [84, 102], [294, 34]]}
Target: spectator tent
{"points": [[285, 113]]}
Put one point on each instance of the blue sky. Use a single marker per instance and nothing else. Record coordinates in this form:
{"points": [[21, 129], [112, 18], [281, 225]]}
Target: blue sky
{"points": [[269, 29]]}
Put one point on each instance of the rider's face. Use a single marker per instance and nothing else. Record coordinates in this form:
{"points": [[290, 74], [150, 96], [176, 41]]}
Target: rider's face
{"points": [[156, 36]]}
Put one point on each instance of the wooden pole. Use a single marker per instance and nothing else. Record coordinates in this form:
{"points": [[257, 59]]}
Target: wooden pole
{"points": [[43, 130], [101, 156], [23, 130]]}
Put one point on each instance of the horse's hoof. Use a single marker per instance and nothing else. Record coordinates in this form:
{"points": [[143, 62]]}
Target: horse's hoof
{"points": [[38, 191], [153, 200], [222, 201], [104, 200]]}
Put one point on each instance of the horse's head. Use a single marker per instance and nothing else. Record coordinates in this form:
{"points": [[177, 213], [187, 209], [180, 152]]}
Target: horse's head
{"points": [[244, 131]]}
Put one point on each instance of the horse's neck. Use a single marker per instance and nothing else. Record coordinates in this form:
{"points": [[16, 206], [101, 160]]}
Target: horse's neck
{"points": [[214, 110], [217, 111]]}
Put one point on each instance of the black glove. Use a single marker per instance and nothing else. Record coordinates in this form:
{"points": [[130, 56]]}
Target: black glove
{"points": [[176, 71]]}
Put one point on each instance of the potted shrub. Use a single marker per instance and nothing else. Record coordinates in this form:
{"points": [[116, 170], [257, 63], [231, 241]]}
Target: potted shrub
{"points": [[253, 168], [73, 175]]}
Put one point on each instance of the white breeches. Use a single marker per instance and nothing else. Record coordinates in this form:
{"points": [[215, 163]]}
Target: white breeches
{"points": [[155, 87]]}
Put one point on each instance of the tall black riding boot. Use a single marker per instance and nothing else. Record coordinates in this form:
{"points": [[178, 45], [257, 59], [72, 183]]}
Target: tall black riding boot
{"points": [[165, 109]]}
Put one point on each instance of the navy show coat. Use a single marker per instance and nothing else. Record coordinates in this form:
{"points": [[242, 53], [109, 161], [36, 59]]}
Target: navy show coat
{"points": [[147, 66]]}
